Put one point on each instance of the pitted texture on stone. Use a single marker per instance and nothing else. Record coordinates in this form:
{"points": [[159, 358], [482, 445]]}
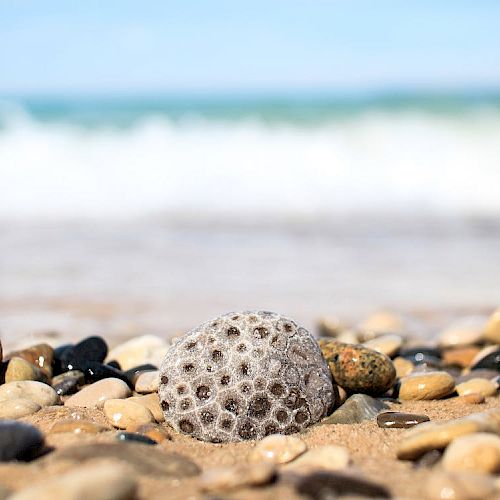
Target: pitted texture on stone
{"points": [[244, 376]]}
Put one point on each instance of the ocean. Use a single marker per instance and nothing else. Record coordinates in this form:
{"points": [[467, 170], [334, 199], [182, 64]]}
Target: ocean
{"points": [[153, 214]]}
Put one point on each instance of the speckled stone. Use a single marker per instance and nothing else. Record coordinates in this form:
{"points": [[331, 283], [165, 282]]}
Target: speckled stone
{"points": [[96, 394], [478, 452], [123, 413], [421, 386], [17, 408], [443, 485], [77, 426], [329, 457], [437, 435], [277, 449], [147, 382], [222, 479], [39, 392], [359, 369], [19, 369], [386, 344], [397, 420], [243, 376], [39, 355], [492, 329], [153, 431], [19, 441], [357, 409], [480, 386]]}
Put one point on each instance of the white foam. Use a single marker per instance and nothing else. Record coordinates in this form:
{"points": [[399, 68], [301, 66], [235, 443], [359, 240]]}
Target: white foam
{"points": [[377, 162]]}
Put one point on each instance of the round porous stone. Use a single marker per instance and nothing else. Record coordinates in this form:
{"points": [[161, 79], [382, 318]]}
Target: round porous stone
{"points": [[244, 376]]}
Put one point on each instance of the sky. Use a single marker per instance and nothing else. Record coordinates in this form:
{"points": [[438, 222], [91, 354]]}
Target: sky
{"points": [[209, 46]]}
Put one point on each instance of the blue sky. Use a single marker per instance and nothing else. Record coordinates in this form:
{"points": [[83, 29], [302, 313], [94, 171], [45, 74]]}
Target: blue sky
{"points": [[100, 46]]}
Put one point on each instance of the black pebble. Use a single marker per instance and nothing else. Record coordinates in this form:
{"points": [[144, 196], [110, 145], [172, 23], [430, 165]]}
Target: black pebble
{"points": [[59, 365], [132, 373], [91, 349], [132, 436], [490, 362], [114, 364], [95, 371], [422, 355], [67, 386], [19, 441]]}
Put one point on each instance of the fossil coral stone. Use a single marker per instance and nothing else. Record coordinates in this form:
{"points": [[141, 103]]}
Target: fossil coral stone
{"points": [[244, 376]]}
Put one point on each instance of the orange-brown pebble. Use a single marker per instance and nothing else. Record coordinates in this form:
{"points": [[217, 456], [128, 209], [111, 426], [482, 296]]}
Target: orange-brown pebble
{"points": [[154, 431], [77, 426], [472, 398], [403, 367], [460, 356]]}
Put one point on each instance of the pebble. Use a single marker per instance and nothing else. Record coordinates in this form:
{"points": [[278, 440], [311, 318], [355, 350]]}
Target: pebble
{"points": [[330, 457], [72, 374], [77, 426], [96, 394], [238, 476], [443, 485], [134, 373], [480, 386], [330, 326], [95, 371], [19, 369], [403, 366], [330, 485], [490, 361], [138, 351], [17, 408], [145, 460], [478, 452], [39, 392], [107, 481], [89, 349], [429, 459], [481, 373], [136, 438], [460, 356], [383, 322], [152, 403], [123, 413], [492, 330], [471, 399], [397, 420], [420, 386], [386, 344], [464, 331], [19, 441], [357, 408], [357, 368], [147, 382], [277, 449], [437, 435], [421, 354], [67, 386], [39, 355], [153, 431]]}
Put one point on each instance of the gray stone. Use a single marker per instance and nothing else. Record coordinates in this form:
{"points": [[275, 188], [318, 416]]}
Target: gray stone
{"points": [[356, 409], [19, 441]]}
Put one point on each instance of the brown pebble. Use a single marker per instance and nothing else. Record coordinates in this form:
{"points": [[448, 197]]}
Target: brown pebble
{"points": [[427, 385], [460, 356], [397, 420], [152, 403], [77, 426], [472, 398], [154, 431], [40, 355]]}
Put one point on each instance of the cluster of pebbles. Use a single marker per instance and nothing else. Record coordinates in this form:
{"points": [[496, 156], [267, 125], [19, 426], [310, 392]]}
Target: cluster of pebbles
{"points": [[261, 379]]}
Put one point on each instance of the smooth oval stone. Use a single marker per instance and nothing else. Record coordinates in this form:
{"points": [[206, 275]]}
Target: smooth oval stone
{"points": [[471, 399], [458, 486], [277, 449], [89, 349], [359, 369], [153, 431], [19, 369], [19, 441], [138, 351], [477, 386], [39, 392], [326, 485], [403, 366], [147, 382], [383, 322], [40, 355], [123, 413], [491, 361], [437, 435], [152, 403], [397, 420], [133, 373], [421, 386], [478, 452], [386, 344], [460, 356], [357, 408], [103, 481], [464, 331], [77, 426], [330, 457], [492, 330], [96, 394], [134, 437], [145, 460], [17, 408], [238, 476], [95, 371]]}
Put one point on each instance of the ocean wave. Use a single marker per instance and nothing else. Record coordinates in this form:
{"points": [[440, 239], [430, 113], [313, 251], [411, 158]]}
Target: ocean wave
{"points": [[376, 162]]}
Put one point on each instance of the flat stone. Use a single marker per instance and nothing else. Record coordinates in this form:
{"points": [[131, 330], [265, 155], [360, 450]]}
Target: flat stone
{"points": [[464, 331], [19, 441], [147, 382], [458, 486], [138, 351], [239, 476], [135, 438], [471, 399], [437, 435], [329, 485], [17, 408], [123, 413], [277, 449], [422, 386], [77, 426], [329, 457], [386, 344], [110, 481], [39, 392], [146, 460], [357, 368], [460, 356], [96, 394], [492, 329], [397, 420], [39, 355], [153, 431], [478, 452], [19, 369], [480, 386], [357, 408], [489, 360], [152, 403], [403, 366]]}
